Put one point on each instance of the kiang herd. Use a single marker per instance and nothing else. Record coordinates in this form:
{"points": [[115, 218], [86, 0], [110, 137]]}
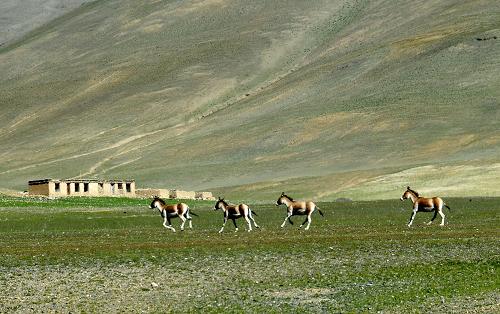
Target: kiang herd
{"points": [[293, 208]]}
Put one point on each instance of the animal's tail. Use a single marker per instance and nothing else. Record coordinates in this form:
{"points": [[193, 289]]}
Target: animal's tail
{"points": [[253, 213], [320, 212], [447, 206], [190, 212]]}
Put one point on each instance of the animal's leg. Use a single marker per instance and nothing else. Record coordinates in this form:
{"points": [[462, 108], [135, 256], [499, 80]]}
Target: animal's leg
{"points": [[251, 217], [433, 217], [287, 218], [224, 224], [249, 224], [169, 224], [304, 222], [189, 218], [183, 219], [235, 226], [308, 221], [442, 218], [412, 217]]}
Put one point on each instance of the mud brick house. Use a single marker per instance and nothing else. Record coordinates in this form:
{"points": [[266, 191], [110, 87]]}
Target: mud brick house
{"points": [[81, 187]]}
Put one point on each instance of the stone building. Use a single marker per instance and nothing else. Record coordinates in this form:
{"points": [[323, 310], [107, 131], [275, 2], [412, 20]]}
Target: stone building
{"points": [[81, 187]]}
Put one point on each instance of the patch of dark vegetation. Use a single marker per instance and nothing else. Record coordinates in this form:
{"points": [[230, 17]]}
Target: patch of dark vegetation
{"points": [[486, 38], [343, 200]]}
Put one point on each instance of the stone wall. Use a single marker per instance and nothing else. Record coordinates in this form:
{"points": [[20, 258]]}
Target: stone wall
{"points": [[150, 193], [174, 194], [178, 194], [204, 196]]}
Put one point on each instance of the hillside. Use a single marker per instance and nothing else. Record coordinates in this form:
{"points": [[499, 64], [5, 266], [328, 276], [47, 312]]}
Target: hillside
{"points": [[17, 18], [325, 99]]}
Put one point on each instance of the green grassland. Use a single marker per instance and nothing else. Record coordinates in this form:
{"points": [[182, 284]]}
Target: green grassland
{"points": [[90, 255], [239, 96]]}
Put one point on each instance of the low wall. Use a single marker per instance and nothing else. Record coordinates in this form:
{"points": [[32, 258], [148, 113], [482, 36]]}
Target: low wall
{"points": [[174, 194], [178, 194], [150, 193], [204, 196]]}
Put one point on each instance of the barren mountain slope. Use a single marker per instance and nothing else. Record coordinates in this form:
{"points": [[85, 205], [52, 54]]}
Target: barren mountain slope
{"points": [[327, 98], [18, 18]]}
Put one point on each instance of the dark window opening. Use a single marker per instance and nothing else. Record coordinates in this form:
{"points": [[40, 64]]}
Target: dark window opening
{"points": [[101, 186], [112, 188], [120, 186], [77, 187], [128, 186], [85, 187], [58, 187]]}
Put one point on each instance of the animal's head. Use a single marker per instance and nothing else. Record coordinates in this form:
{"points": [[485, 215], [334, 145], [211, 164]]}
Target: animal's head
{"points": [[282, 198], [220, 204], [156, 203], [408, 193]]}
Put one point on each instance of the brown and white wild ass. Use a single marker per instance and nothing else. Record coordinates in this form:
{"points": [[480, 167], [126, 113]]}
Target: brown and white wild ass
{"points": [[297, 208], [167, 212], [423, 204], [234, 212]]}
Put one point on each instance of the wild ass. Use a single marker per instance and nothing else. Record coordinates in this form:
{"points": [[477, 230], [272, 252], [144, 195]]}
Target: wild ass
{"points": [[297, 208], [234, 212], [423, 204], [167, 212]]}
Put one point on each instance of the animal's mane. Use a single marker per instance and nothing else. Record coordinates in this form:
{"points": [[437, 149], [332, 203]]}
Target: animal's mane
{"points": [[414, 192], [224, 202], [159, 200], [291, 199]]}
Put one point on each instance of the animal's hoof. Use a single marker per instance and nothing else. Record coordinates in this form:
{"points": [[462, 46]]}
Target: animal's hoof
{"points": [[430, 222]]}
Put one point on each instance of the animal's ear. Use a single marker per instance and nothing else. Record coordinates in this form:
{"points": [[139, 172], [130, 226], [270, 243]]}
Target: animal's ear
{"points": [[408, 187], [282, 193]]}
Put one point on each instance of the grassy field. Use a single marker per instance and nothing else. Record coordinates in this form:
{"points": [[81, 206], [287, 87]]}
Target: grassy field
{"points": [[112, 255], [208, 94]]}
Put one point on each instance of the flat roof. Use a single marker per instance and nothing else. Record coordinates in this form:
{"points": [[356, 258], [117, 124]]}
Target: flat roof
{"points": [[45, 181]]}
